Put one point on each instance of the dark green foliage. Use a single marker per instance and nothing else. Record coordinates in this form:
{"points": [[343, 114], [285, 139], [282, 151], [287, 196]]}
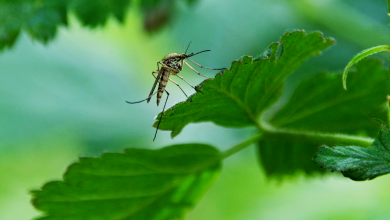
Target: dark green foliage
{"points": [[358, 163], [139, 184], [41, 18], [281, 157], [319, 104], [95, 13]]}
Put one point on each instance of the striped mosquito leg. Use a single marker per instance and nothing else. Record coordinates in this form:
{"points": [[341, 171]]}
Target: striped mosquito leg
{"points": [[195, 70], [179, 86], [154, 84], [185, 81], [204, 66], [162, 113]]}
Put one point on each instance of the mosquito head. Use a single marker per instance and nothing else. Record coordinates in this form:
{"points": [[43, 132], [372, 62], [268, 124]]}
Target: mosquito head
{"points": [[175, 60]]}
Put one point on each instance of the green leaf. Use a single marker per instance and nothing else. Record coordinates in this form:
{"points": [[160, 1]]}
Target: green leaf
{"points": [[358, 163], [284, 158], [96, 13], [360, 56], [137, 184], [319, 104], [238, 96], [41, 19]]}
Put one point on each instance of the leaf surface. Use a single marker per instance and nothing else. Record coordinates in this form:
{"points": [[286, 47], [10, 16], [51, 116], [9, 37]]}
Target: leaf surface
{"points": [[238, 96], [280, 158], [137, 184], [319, 104], [355, 162]]}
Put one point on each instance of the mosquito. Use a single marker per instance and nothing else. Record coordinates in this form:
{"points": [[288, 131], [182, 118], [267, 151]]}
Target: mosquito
{"points": [[171, 64]]}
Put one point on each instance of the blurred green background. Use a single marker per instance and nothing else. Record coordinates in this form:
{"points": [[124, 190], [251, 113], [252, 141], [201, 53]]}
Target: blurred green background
{"points": [[67, 99]]}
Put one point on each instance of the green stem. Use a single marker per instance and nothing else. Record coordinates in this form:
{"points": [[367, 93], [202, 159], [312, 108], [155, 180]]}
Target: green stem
{"points": [[360, 56], [269, 132], [319, 138], [241, 146]]}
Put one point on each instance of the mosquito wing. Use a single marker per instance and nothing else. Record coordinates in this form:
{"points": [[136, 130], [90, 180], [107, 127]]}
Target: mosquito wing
{"points": [[155, 84]]}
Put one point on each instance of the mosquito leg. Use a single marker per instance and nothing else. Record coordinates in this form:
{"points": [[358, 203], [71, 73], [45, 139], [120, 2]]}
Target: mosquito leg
{"points": [[196, 88], [203, 66], [155, 82], [165, 102], [185, 81], [162, 113], [143, 99], [179, 85], [154, 73], [195, 70]]}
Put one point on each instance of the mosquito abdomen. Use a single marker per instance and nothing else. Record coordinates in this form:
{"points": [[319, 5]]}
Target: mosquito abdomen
{"points": [[161, 86]]}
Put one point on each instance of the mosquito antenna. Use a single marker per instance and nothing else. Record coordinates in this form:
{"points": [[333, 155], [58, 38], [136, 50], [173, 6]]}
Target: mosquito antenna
{"points": [[188, 47], [142, 100], [193, 54], [162, 113]]}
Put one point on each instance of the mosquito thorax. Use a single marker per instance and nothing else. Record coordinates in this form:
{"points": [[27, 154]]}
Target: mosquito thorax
{"points": [[174, 61]]}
